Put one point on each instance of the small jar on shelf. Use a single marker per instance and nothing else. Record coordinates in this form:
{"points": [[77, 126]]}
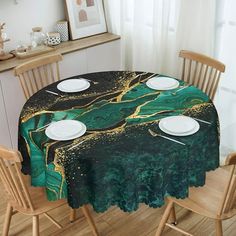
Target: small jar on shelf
{"points": [[37, 37], [62, 29]]}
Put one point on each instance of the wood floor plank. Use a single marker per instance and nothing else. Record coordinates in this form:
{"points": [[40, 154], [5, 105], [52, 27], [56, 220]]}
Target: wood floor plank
{"points": [[186, 220], [115, 222]]}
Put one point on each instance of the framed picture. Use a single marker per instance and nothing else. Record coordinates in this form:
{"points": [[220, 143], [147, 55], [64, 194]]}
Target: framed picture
{"points": [[86, 17]]}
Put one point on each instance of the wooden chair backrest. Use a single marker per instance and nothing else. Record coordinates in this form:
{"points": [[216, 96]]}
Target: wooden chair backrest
{"points": [[201, 71], [229, 198], [12, 179], [38, 73]]}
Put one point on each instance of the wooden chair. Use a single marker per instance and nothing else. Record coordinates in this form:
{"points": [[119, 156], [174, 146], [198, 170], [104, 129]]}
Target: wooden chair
{"points": [[19, 199], [201, 71], [38, 73], [215, 200]]}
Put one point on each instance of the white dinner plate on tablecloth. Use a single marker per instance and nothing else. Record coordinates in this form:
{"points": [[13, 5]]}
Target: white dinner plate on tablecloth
{"points": [[179, 125], [73, 85], [162, 83], [65, 130]]}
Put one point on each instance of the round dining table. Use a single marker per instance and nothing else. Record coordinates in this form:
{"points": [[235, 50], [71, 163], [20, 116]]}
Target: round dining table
{"points": [[121, 160]]}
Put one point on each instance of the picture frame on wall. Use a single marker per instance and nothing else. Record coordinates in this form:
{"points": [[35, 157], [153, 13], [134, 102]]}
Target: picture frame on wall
{"points": [[86, 18]]}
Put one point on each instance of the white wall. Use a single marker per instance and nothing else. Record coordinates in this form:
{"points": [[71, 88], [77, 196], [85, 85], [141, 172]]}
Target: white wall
{"points": [[22, 17]]}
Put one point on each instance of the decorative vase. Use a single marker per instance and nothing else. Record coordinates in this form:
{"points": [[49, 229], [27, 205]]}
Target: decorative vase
{"points": [[62, 28], [37, 37]]}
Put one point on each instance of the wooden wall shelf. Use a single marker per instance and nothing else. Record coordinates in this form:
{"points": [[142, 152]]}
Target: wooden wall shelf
{"points": [[64, 48]]}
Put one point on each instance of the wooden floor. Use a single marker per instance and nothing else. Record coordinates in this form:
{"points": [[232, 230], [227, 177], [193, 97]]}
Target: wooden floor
{"points": [[114, 222]]}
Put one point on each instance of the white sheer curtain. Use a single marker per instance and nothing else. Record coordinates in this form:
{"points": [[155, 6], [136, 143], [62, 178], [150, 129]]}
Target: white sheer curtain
{"points": [[154, 31], [226, 51]]}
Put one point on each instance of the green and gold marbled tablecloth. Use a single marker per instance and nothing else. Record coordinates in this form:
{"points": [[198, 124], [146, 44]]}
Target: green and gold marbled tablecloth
{"points": [[117, 162]]}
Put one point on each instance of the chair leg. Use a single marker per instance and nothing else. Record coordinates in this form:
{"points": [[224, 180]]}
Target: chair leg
{"points": [[172, 218], [219, 230], [35, 226], [164, 218], [90, 220], [7, 220], [72, 215]]}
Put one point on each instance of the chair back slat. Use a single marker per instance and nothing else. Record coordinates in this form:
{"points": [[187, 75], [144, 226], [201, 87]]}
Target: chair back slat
{"points": [[32, 85], [45, 74], [57, 71], [198, 69], [5, 181], [16, 185], [52, 73], [16, 190], [24, 188], [40, 78], [24, 86], [215, 85], [183, 69], [38, 73], [210, 79], [36, 80], [196, 80], [189, 71], [10, 182], [205, 78]]}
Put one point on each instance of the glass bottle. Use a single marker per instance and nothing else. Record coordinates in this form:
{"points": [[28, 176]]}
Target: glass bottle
{"points": [[37, 37]]}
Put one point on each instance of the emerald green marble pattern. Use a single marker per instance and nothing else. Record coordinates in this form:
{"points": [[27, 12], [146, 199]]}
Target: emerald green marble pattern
{"points": [[117, 162]]}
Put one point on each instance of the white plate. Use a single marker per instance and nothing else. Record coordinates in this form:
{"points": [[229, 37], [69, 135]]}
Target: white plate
{"points": [[179, 125], [65, 130], [73, 85], [162, 83]]}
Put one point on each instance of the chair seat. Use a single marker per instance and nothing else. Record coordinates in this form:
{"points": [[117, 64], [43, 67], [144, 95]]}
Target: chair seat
{"points": [[206, 200]]}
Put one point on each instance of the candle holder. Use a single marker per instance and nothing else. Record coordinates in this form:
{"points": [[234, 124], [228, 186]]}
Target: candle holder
{"points": [[3, 39]]}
